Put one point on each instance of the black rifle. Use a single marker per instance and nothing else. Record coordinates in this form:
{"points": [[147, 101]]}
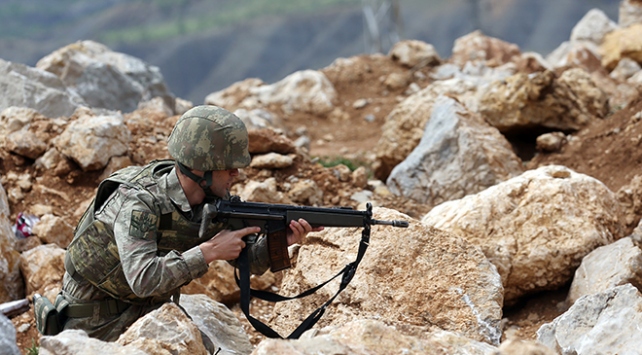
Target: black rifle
{"points": [[274, 221]]}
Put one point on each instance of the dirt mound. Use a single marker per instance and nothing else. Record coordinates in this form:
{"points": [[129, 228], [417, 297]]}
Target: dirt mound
{"points": [[608, 149]]}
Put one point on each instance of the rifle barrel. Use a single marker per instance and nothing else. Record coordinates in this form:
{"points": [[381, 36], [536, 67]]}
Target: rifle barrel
{"points": [[395, 223]]}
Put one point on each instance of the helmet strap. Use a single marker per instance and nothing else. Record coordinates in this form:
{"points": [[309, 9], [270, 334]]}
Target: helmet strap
{"points": [[204, 181]]}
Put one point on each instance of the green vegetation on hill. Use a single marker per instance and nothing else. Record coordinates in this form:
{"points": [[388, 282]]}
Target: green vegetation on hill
{"points": [[329, 162], [182, 19], [143, 20]]}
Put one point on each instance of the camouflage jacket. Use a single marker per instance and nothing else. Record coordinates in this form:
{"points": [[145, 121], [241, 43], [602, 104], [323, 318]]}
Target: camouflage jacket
{"points": [[142, 243]]}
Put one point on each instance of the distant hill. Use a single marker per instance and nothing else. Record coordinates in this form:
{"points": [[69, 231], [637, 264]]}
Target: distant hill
{"points": [[203, 46]]}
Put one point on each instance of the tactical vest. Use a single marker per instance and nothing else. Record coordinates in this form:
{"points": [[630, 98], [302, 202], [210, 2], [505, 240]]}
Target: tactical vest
{"points": [[93, 253]]}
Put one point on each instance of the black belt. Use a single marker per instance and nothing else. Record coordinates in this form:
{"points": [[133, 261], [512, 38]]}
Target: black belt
{"points": [[108, 307]]}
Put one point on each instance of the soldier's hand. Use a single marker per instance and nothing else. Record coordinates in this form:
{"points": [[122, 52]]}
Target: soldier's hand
{"points": [[226, 245], [299, 229]]}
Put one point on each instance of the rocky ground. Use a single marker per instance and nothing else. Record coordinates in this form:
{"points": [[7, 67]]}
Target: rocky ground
{"points": [[351, 136], [606, 149]]}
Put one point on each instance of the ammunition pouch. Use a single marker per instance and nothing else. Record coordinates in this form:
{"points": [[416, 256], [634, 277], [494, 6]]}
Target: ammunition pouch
{"points": [[50, 318]]}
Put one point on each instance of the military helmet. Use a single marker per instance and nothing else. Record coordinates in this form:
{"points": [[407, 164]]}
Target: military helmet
{"points": [[209, 138]]}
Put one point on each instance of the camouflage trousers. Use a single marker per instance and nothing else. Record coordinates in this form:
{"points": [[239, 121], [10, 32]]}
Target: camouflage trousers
{"points": [[107, 327], [110, 327]]}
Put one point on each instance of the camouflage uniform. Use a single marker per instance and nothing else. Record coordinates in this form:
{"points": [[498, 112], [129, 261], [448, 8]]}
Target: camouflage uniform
{"points": [[139, 248]]}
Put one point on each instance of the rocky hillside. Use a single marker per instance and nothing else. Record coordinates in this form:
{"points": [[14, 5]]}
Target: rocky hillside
{"points": [[518, 173]]}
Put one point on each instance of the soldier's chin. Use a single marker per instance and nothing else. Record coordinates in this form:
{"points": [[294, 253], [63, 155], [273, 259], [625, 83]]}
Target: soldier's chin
{"points": [[212, 196]]}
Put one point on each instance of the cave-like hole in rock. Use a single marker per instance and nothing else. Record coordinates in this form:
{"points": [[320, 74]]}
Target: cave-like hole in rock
{"points": [[524, 140]]}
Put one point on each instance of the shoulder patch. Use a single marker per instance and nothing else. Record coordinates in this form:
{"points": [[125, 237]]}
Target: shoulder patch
{"points": [[143, 223]]}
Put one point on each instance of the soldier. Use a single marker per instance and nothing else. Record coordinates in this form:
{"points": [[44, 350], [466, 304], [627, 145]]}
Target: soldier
{"points": [[138, 243]]}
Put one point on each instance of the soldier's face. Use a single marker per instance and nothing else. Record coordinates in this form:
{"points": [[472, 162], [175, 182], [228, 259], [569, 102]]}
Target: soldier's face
{"points": [[222, 181]]}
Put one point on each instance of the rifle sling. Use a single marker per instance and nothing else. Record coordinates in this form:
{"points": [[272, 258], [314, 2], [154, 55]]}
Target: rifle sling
{"points": [[243, 281]]}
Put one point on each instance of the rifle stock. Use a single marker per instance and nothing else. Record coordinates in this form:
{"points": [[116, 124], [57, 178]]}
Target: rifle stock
{"points": [[274, 219]]}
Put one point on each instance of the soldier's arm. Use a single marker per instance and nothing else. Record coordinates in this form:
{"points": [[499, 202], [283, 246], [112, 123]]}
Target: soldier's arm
{"points": [[258, 253], [147, 273]]}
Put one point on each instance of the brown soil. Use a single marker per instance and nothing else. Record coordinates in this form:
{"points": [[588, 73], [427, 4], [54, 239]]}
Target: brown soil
{"points": [[27, 339], [524, 319], [607, 150]]}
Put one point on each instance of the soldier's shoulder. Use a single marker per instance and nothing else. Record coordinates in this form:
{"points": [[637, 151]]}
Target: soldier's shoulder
{"points": [[132, 194]]}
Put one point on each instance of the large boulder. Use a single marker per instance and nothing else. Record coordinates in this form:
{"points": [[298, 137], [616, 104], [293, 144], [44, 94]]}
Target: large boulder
{"points": [[582, 49], [218, 323], [476, 46], [612, 265], [232, 97], [460, 154], [94, 138], [38, 89], [414, 54], [412, 279], [54, 230], [622, 43], [104, 78], [576, 54], [266, 140], [165, 330], [307, 91], [535, 228], [405, 125], [620, 90], [43, 268], [76, 342], [26, 132], [8, 337], [543, 100], [373, 337], [593, 27], [608, 322]]}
